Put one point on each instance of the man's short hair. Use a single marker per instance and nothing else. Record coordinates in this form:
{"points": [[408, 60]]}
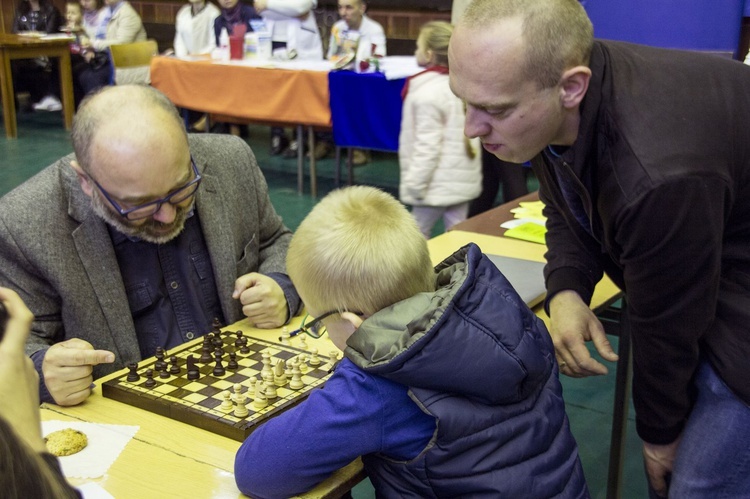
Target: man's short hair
{"points": [[557, 33], [359, 250], [109, 102]]}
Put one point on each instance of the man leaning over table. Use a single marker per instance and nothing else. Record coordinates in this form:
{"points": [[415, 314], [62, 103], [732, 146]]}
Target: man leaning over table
{"points": [[642, 156], [143, 238]]}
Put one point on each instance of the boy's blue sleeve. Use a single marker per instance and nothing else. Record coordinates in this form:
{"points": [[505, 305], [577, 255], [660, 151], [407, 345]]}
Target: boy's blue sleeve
{"points": [[300, 448]]}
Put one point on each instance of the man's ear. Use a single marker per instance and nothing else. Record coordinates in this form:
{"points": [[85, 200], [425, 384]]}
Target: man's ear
{"points": [[87, 185], [573, 86], [352, 319]]}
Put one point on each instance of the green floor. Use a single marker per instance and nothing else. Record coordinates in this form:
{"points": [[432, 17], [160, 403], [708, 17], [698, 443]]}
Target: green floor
{"points": [[42, 139]]}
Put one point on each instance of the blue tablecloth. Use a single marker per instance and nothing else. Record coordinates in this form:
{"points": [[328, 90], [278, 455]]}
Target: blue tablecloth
{"points": [[365, 110]]}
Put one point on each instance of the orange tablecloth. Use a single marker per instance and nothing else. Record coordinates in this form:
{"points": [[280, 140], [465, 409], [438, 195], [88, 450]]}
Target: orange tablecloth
{"points": [[284, 96]]}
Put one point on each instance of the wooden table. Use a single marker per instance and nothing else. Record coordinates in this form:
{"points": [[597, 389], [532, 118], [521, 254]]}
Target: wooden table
{"points": [[27, 47], [172, 459], [280, 95]]}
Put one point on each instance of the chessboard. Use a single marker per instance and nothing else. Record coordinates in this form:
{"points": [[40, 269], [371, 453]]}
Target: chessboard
{"points": [[224, 382]]}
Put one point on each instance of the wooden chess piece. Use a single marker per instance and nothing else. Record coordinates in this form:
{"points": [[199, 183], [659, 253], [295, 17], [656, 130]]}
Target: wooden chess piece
{"points": [[227, 405], [240, 410], [232, 364], [296, 382], [284, 338], [219, 368], [238, 342], [133, 375], [314, 357], [174, 368], [159, 358], [192, 370], [260, 401], [149, 378], [279, 373]]}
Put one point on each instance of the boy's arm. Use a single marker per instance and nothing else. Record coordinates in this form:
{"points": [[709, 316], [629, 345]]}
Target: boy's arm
{"points": [[297, 450]]}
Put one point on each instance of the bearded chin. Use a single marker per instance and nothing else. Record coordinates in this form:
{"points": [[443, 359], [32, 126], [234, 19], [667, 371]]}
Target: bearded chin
{"points": [[151, 230]]}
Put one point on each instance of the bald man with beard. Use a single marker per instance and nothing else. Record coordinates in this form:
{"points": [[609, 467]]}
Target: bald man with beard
{"points": [[143, 238]]}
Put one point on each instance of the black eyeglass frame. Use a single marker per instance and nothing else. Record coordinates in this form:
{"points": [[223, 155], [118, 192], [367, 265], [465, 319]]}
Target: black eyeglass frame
{"points": [[172, 198], [312, 328]]}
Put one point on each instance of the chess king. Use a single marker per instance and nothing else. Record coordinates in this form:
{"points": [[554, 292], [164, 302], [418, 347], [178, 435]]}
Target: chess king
{"points": [[142, 238]]}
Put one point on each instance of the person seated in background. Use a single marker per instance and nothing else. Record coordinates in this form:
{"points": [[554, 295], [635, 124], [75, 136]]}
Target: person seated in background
{"points": [[118, 23], [91, 17], [26, 468], [37, 76], [234, 12], [194, 35], [294, 33], [454, 345], [149, 237], [356, 26], [81, 54], [194, 28], [355, 31], [441, 170]]}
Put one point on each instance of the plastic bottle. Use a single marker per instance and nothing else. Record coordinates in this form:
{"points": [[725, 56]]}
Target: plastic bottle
{"points": [[224, 44]]}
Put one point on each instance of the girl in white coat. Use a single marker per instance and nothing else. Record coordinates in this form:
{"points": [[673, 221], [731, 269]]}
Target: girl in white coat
{"points": [[440, 167]]}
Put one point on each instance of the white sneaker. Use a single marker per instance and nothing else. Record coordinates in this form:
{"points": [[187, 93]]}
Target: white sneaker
{"points": [[49, 103]]}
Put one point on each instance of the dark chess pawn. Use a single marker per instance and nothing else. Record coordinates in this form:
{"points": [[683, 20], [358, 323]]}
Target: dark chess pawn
{"points": [[174, 368], [238, 342], [218, 343], [216, 324], [244, 349], [219, 369], [149, 378], [232, 364], [164, 374], [133, 375], [159, 358], [205, 354], [192, 369]]}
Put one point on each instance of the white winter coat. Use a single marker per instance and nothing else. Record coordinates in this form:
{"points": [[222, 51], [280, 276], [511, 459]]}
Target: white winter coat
{"points": [[435, 167]]}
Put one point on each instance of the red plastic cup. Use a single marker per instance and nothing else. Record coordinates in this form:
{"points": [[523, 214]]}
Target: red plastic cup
{"points": [[236, 47]]}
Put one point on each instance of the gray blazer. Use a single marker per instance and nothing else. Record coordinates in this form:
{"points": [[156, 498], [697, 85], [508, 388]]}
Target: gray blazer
{"points": [[58, 255]]}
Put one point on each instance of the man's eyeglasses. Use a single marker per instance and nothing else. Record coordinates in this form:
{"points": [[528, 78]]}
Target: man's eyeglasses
{"points": [[147, 209], [315, 329]]}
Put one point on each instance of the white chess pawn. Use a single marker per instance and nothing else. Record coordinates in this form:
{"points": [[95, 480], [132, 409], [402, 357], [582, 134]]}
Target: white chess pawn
{"points": [[240, 410], [314, 358], [271, 393], [237, 391], [285, 336], [333, 357], [303, 363], [226, 405], [296, 382]]}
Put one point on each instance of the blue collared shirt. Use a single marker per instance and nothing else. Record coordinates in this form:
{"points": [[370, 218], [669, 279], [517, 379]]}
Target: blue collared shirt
{"points": [[170, 287]]}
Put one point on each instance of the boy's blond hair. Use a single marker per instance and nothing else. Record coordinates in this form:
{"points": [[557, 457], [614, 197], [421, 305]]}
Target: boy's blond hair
{"points": [[358, 250]]}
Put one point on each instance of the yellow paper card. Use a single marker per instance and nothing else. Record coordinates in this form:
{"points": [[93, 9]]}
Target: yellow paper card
{"points": [[528, 231]]}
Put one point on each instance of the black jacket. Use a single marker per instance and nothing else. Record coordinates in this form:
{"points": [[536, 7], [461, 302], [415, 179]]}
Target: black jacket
{"points": [[661, 172]]}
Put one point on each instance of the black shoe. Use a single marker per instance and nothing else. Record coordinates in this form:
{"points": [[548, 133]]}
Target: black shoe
{"points": [[278, 144]]}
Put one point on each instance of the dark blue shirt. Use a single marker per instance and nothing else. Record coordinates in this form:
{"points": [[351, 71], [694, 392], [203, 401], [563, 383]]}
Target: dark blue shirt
{"points": [[170, 287]]}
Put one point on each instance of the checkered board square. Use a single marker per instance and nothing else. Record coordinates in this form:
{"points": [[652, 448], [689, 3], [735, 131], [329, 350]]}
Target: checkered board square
{"points": [[197, 402]]}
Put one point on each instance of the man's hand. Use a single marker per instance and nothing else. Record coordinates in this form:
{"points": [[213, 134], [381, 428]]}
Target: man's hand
{"points": [[19, 382], [67, 369], [659, 460], [262, 299], [572, 323]]}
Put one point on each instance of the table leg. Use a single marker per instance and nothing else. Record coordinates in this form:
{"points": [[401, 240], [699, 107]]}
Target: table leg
{"points": [[66, 89], [313, 172], [9, 104], [300, 160]]}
